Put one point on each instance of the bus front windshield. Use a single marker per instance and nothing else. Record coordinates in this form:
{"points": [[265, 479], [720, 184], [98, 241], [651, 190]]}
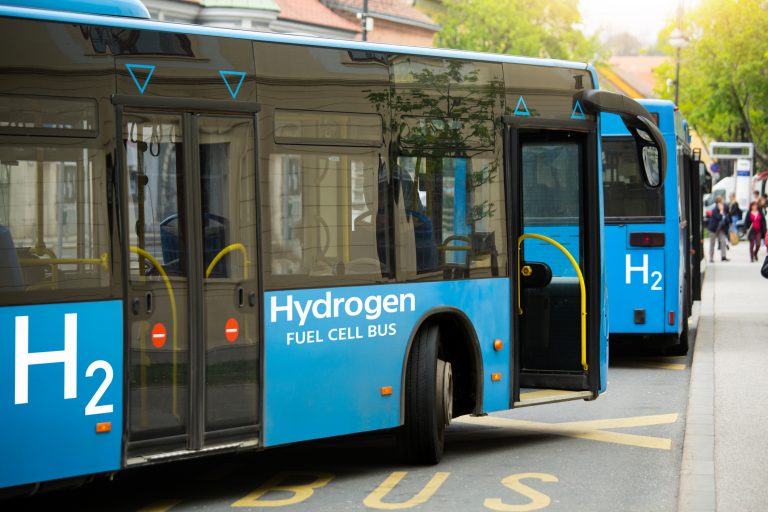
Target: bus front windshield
{"points": [[626, 197]]}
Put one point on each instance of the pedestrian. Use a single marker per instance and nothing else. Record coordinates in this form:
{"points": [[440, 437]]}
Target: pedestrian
{"points": [[718, 227], [755, 222], [734, 212], [734, 215]]}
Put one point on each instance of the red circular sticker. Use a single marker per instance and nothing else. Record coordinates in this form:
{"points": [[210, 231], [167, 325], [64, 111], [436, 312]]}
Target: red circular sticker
{"points": [[159, 335], [231, 330]]}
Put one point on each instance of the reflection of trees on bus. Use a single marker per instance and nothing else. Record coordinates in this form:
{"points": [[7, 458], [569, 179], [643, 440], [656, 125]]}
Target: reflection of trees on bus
{"points": [[445, 155]]}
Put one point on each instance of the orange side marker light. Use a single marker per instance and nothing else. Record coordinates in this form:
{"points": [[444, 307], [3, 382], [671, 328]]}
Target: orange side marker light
{"points": [[495, 377], [498, 345], [102, 428], [386, 391]]}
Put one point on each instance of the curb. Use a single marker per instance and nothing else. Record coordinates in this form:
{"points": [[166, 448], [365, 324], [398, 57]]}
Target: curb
{"points": [[697, 474]]}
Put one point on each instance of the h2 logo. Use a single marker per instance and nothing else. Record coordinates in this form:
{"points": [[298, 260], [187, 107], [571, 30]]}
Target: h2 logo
{"points": [[68, 357], [656, 286]]}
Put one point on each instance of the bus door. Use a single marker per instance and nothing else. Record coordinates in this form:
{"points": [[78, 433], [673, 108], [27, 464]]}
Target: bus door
{"points": [[556, 236], [189, 189]]}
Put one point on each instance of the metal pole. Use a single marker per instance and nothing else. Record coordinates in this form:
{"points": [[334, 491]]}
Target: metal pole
{"points": [[677, 79], [364, 20]]}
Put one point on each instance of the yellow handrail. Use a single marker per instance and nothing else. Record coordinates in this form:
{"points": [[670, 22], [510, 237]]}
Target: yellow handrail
{"points": [[234, 247], [103, 260], [141, 252], [582, 288]]}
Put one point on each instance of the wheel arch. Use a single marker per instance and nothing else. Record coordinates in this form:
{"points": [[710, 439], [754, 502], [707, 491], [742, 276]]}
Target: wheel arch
{"points": [[464, 354]]}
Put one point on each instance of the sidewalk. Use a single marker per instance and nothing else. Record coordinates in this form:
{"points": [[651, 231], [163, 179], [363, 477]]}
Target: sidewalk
{"points": [[725, 455]]}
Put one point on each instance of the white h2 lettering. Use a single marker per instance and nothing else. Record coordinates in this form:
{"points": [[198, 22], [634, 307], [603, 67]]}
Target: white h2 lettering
{"points": [[25, 359], [643, 269]]}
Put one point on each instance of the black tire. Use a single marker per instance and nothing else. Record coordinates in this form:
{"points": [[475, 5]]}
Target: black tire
{"points": [[428, 405]]}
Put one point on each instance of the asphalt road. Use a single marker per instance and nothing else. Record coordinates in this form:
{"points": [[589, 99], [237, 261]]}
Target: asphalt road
{"points": [[620, 452]]}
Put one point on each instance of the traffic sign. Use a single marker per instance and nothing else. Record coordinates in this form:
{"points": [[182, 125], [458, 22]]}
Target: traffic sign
{"points": [[231, 330], [159, 335]]}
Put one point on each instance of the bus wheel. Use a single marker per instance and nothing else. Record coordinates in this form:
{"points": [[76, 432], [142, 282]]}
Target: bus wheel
{"points": [[428, 399]]}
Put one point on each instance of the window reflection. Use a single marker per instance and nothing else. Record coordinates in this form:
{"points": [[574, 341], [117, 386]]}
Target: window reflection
{"points": [[326, 216], [624, 193], [451, 218]]}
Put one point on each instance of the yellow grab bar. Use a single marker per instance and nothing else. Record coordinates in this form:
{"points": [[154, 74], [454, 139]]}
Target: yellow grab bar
{"points": [[582, 288], [103, 260], [141, 252], [228, 249]]}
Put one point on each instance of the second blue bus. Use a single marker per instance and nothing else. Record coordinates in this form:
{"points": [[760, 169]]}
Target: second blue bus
{"points": [[653, 236]]}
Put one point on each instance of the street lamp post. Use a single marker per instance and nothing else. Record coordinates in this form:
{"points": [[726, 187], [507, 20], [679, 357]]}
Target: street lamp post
{"points": [[677, 41]]}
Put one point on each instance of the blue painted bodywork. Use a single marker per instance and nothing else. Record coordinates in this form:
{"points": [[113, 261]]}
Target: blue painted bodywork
{"points": [[45, 434], [659, 290], [323, 378], [128, 8]]}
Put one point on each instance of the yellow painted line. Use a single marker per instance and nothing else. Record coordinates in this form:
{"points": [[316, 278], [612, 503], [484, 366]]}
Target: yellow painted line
{"points": [[160, 506], [579, 431], [637, 421], [376, 498]]}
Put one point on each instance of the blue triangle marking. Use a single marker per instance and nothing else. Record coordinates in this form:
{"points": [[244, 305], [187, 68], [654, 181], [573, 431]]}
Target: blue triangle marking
{"points": [[524, 111], [225, 74], [131, 67], [578, 112]]}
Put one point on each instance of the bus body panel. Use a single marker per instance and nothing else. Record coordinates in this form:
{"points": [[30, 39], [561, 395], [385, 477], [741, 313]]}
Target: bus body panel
{"points": [[637, 281], [662, 295], [61, 375], [328, 353]]}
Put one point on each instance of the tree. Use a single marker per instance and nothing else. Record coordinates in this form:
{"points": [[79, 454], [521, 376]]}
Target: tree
{"points": [[533, 28], [723, 76]]}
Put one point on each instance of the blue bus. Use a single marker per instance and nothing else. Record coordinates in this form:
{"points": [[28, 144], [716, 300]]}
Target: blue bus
{"points": [[653, 237], [215, 240]]}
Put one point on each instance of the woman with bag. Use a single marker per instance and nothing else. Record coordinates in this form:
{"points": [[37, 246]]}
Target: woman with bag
{"points": [[756, 228], [718, 227]]}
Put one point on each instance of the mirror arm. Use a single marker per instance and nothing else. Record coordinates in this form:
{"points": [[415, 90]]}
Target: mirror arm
{"points": [[633, 114]]}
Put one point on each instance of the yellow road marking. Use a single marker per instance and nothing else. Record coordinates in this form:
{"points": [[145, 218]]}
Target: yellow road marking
{"points": [[160, 506], [538, 499], [636, 421], [376, 498], [587, 429]]}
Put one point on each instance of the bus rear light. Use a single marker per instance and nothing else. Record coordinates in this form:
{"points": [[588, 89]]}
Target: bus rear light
{"points": [[498, 345], [386, 391], [102, 428], [646, 239], [495, 377], [671, 318]]}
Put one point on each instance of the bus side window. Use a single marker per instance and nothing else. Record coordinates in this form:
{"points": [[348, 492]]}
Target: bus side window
{"points": [[450, 217], [325, 217]]}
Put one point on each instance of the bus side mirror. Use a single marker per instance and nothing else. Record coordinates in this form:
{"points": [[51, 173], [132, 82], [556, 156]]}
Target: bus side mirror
{"points": [[651, 149]]}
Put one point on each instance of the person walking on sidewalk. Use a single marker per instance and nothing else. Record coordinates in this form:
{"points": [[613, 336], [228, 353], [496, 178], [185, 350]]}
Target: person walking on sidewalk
{"points": [[734, 214], [756, 225], [718, 227]]}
